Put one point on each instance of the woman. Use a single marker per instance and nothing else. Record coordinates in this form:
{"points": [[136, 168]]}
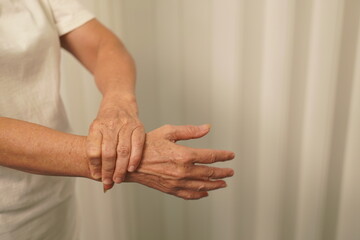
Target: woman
{"points": [[33, 122]]}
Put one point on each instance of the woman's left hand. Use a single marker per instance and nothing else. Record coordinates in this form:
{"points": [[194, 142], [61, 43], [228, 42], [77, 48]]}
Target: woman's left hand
{"points": [[115, 141]]}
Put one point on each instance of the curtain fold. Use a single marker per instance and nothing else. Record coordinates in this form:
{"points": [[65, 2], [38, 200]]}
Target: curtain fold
{"points": [[278, 80]]}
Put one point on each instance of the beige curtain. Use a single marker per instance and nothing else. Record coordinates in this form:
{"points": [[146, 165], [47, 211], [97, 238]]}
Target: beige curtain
{"points": [[279, 80]]}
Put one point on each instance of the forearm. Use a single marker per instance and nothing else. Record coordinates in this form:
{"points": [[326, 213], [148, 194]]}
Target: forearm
{"points": [[105, 56], [36, 149], [114, 70], [165, 166], [114, 74]]}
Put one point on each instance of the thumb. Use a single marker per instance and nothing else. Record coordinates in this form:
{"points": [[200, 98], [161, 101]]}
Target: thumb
{"points": [[187, 132]]}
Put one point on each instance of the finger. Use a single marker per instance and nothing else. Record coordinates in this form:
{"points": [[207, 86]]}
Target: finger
{"points": [[123, 154], [212, 156], [190, 195], [207, 173], [201, 186], [107, 187], [93, 152], [137, 146], [108, 156], [187, 132]]}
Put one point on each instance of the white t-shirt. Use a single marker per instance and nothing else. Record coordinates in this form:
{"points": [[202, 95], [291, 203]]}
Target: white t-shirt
{"points": [[33, 206]]}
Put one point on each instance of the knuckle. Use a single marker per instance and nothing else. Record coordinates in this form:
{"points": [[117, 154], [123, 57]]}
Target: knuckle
{"points": [[211, 173], [201, 187], [93, 153], [168, 127], [212, 157], [95, 162], [94, 125], [138, 144], [108, 169], [138, 124], [123, 151], [188, 196], [190, 156], [173, 185], [110, 124], [109, 154], [181, 173], [125, 124], [166, 185], [124, 119]]}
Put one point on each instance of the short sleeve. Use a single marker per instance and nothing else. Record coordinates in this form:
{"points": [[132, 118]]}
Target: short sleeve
{"points": [[68, 15]]}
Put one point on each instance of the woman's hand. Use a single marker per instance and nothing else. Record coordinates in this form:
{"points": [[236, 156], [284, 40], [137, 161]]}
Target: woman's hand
{"points": [[116, 140], [179, 170]]}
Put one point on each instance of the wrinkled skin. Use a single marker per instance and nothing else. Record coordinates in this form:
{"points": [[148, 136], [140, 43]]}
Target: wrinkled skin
{"points": [[116, 140], [178, 170]]}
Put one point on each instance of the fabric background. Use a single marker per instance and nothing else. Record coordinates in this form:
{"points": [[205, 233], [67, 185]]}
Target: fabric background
{"points": [[279, 80]]}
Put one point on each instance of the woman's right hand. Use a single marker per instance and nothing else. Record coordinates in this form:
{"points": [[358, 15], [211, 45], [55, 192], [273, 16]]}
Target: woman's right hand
{"points": [[179, 170]]}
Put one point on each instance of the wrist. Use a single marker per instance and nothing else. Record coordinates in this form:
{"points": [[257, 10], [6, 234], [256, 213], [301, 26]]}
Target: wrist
{"points": [[118, 95], [119, 101], [79, 147]]}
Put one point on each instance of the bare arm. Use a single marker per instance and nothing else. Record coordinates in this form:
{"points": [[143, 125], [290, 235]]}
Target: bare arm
{"points": [[166, 166], [36, 149], [116, 137], [105, 56]]}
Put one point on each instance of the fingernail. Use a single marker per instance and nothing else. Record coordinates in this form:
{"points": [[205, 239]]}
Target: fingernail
{"points": [[107, 181], [224, 185], [131, 169], [205, 126], [118, 180], [107, 187], [97, 175]]}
